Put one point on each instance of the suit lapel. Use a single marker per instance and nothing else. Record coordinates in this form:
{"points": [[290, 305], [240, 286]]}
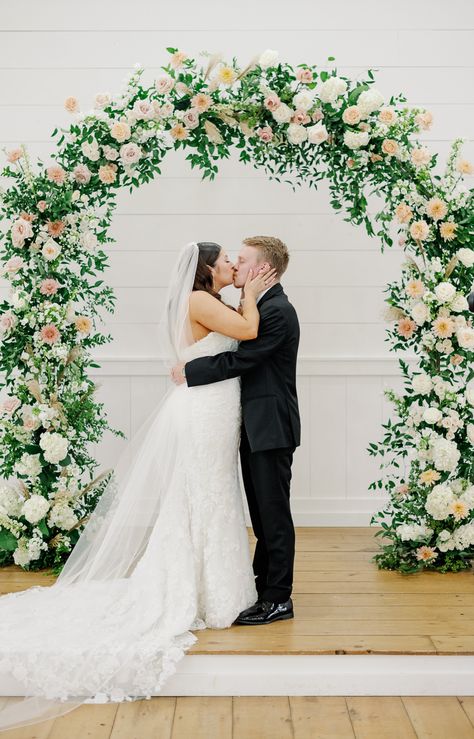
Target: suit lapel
{"points": [[275, 290]]}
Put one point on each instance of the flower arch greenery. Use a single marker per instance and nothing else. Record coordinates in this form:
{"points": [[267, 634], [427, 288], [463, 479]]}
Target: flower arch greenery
{"points": [[300, 125]]}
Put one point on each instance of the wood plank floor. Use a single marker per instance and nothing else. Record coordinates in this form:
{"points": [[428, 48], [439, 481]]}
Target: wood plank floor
{"points": [[344, 604], [334, 717]]}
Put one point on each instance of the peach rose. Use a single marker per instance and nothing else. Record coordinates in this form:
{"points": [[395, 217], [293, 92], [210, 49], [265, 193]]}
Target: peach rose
{"points": [[108, 173], [265, 133], [317, 115], [201, 102], [179, 132], [102, 100], [10, 404], [71, 104], [130, 153], [464, 167], [387, 116], [13, 264], [436, 209], [14, 155], [376, 158], [164, 84], [421, 156], [272, 101], [120, 131], [403, 213], [56, 174], [406, 327], [55, 228], [447, 230], [41, 205], [82, 174], [456, 359], [83, 324], [50, 334], [143, 110], [351, 115], [49, 286], [305, 76], [419, 230], [424, 120], [390, 147], [191, 118], [20, 231], [177, 59], [7, 321]]}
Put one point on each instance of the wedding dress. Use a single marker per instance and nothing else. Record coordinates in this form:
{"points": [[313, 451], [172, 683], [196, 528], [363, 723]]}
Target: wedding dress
{"points": [[164, 553]]}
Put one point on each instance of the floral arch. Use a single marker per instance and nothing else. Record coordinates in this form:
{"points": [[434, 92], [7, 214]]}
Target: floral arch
{"points": [[298, 124]]}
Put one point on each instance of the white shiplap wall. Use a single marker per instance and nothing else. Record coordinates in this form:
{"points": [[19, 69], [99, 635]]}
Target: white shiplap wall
{"points": [[51, 49]]}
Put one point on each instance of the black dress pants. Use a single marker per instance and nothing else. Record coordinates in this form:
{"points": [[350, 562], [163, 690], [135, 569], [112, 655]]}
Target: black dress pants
{"points": [[267, 477]]}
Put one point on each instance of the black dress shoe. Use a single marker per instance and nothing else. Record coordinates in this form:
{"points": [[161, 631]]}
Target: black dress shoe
{"points": [[264, 612]]}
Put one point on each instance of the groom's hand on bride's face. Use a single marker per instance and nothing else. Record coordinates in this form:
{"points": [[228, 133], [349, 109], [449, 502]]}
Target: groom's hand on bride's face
{"points": [[177, 374]]}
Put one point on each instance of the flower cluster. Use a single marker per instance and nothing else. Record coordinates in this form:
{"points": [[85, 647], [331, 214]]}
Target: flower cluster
{"points": [[300, 124]]}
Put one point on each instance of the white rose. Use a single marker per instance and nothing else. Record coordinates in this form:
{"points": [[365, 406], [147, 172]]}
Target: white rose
{"points": [[35, 508], [91, 150], [420, 313], [470, 432], [465, 337], [317, 134], [55, 447], [50, 250], [130, 153], [422, 384], [369, 101], [303, 101], [354, 140], [432, 415], [282, 114], [296, 134], [102, 100], [268, 58], [459, 304], [331, 89], [445, 292], [466, 257]]}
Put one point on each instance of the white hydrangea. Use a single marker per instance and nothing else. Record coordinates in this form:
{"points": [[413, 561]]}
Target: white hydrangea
{"points": [[331, 89], [62, 516], [268, 58], [445, 454], [422, 384], [356, 139], [369, 101], [296, 134], [35, 508], [55, 446], [303, 100], [414, 532], [21, 555], [438, 502], [29, 465], [462, 538], [10, 501]]}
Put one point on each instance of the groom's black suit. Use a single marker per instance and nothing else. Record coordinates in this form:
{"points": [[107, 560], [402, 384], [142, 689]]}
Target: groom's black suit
{"points": [[270, 433]]}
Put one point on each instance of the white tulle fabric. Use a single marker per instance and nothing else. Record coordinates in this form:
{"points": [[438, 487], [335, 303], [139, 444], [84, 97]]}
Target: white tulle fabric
{"points": [[164, 553]]}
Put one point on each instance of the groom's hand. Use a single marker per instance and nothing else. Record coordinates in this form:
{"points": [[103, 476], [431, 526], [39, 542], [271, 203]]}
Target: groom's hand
{"points": [[177, 374]]}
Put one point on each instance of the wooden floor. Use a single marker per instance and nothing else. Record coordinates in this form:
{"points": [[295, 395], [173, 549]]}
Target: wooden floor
{"points": [[344, 605], [359, 717]]}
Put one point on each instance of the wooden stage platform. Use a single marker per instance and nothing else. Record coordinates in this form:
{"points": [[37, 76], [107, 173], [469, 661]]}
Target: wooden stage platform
{"points": [[344, 605]]}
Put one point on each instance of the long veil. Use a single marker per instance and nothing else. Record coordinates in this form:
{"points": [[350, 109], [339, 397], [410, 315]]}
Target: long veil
{"points": [[68, 624]]}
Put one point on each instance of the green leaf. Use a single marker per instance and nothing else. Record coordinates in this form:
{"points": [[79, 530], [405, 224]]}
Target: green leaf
{"points": [[7, 540]]}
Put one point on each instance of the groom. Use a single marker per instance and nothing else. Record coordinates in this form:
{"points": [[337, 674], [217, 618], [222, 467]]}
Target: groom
{"points": [[270, 426]]}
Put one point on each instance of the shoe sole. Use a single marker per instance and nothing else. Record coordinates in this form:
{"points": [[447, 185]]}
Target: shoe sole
{"points": [[264, 623]]}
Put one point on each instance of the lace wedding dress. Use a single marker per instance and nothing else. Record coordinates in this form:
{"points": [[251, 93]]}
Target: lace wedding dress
{"points": [[114, 628]]}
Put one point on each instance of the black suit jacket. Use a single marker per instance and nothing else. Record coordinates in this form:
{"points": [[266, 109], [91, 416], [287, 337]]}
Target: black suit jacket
{"points": [[267, 365]]}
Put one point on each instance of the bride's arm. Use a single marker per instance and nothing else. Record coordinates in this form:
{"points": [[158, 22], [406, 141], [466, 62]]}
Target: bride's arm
{"points": [[216, 316]]}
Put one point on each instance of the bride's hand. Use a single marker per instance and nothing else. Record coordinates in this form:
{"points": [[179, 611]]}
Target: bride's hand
{"points": [[264, 279]]}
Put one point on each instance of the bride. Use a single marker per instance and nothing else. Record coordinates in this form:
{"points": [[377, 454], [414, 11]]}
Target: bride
{"points": [[166, 551]]}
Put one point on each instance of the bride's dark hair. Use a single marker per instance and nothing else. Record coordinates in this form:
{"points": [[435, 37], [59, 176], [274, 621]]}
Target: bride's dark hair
{"points": [[208, 255]]}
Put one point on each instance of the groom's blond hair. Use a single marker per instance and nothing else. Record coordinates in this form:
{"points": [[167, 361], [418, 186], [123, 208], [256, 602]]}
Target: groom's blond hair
{"points": [[272, 250]]}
